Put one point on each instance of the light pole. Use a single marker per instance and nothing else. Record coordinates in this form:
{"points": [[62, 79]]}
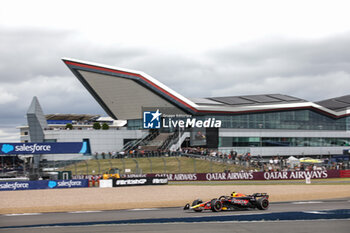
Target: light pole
{"points": [[260, 137], [320, 141]]}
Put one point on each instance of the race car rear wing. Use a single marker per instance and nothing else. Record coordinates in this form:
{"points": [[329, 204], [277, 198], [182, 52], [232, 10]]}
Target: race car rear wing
{"points": [[260, 195]]}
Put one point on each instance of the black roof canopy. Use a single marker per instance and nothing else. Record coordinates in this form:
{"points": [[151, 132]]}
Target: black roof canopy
{"points": [[256, 99], [336, 104]]}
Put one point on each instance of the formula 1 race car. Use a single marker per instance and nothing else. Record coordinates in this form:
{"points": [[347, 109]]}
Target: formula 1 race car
{"points": [[234, 202]]}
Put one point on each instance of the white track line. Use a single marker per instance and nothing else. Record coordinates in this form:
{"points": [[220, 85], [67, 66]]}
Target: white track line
{"points": [[24, 214], [84, 212], [306, 202], [314, 212], [144, 209]]}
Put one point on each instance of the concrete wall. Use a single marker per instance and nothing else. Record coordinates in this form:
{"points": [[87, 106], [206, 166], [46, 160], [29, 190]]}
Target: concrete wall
{"points": [[100, 140]]}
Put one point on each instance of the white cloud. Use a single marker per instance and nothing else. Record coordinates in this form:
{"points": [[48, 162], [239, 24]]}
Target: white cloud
{"points": [[182, 25], [198, 48], [9, 135], [55, 92], [298, 86], [6, 97]]}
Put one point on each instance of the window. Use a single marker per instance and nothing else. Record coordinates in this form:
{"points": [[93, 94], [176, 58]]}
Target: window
{"points": [[281, 142], [299, 119]]}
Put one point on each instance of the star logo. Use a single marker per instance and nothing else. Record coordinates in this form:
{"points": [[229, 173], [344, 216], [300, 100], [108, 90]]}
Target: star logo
{"points": [[151, 120], [156, 115]]}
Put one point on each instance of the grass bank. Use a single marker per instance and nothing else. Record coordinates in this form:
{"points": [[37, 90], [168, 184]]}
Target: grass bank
{"points": [[151, 165]]}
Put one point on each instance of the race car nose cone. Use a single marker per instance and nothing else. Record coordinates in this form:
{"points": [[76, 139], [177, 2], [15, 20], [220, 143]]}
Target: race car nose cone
{"points": [[187, 206]]}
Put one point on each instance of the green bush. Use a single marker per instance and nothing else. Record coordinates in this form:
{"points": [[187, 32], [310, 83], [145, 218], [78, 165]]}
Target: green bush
{"points": [[69, 126], [105, 126], [96, 125]]}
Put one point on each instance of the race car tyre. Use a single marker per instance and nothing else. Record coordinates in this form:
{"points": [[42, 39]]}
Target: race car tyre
{"points": [[196, 202], [216, 205], [223, 197], [263, 204]]}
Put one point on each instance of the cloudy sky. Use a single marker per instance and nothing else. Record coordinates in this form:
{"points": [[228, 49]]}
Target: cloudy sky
{"points": [[198, 48]]}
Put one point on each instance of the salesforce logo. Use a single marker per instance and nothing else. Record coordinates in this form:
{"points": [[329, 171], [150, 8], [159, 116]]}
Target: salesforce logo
{"points": [[52, 184], [6, 148], [83, 148]]}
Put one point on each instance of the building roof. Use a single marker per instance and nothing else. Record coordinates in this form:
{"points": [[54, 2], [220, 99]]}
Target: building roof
{"points": [[337, 104], [124, 93], [71, 117], [248, 100]]}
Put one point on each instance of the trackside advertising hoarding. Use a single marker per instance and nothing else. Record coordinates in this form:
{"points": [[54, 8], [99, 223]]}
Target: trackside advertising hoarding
{"points": [[43, 184], [287, 175], [43, 148], [136, 181]]}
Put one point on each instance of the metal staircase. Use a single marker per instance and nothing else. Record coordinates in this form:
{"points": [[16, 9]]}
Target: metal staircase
{"points": [[157, 142], [135, 144]]}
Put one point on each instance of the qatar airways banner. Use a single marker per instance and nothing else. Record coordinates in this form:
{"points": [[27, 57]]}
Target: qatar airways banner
{"points": [[289, 175], [43, 148]]}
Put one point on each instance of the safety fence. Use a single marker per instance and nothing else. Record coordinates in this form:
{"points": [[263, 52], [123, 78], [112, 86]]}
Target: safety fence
{"points": [[191, 163], [275, 163], [164, 164], [169, 163], [230, 176]]}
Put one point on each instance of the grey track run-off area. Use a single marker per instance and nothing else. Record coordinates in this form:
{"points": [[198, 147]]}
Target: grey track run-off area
{"points": [[82, 199], [320, 226]]}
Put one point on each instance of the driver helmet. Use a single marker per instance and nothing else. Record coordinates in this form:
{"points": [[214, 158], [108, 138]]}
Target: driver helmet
{"points": [[234, 194]]}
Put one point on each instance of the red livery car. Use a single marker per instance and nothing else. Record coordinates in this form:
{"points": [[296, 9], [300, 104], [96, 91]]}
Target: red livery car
{"points": [[233, 202]]}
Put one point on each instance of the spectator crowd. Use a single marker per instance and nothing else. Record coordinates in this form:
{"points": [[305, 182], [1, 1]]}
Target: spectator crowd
{"points": [[255, 162]]}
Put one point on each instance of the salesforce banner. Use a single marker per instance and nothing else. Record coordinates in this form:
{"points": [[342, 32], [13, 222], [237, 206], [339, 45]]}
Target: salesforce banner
{"points": [[43, 184], [43, 148]]}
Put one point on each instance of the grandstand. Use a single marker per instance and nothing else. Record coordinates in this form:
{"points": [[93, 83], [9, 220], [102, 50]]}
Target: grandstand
{"points": [[262, 125]]}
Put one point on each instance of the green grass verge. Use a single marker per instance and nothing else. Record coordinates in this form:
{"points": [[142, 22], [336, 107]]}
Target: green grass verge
{"points": [[151, 165]]}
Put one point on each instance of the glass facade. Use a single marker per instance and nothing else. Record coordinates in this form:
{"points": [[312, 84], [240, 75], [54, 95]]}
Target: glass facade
{"points": [[284, 141], [239, 141], [135, 124], [293, 120], [301, 119]]}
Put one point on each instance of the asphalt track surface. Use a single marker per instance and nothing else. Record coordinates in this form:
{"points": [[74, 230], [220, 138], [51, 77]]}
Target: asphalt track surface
{"points": [[309, 216]]}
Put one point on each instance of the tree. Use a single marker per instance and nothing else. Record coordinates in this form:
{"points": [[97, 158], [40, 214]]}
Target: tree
{"points": [[105, 126], [96, 125], [69, 126]]}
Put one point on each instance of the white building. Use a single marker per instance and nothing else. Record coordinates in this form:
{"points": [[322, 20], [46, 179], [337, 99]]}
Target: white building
{"points": [[266, 125]]}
